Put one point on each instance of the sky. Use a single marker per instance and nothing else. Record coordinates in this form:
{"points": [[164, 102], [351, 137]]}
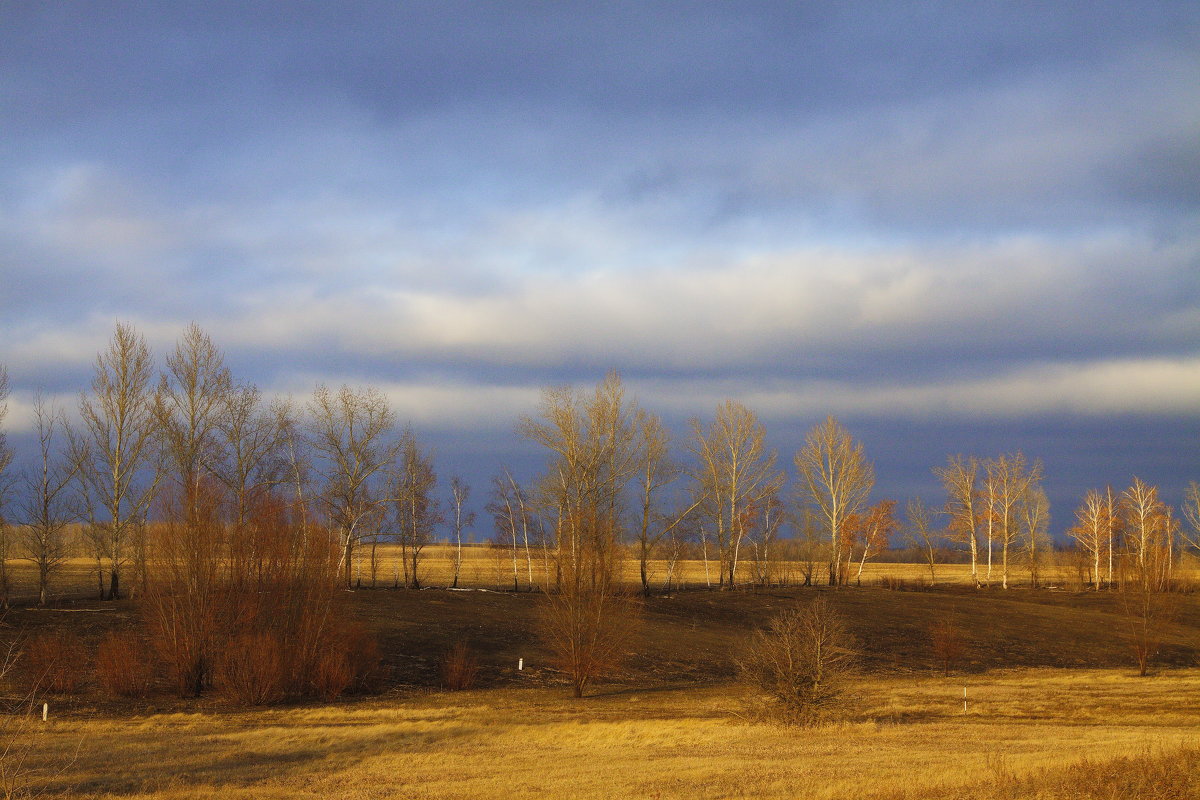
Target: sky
{"points": [[958, 227]]}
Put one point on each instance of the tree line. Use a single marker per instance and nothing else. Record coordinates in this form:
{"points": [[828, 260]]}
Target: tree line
{"points": [[720, 495]]}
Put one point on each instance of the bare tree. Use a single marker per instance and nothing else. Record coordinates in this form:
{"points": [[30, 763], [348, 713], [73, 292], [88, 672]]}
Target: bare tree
{"points": [[413, 482], [733, 472], [768, 521], [1091, 531], [47, 508], [589, 621], [836, 480], [188, 406], [6, 457], [593, 454], [592, 442], [961, 481], [801, 662], [514, 520], [656, 471], [1010, 479], [1148, 530], [117, 449], [349, 434], [253, 447], [460, 519], [1191, 505], [1033, 515], [919, 533], [875, 530]]}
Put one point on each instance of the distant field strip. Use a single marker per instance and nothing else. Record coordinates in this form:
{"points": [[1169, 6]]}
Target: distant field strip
{"points": [[487, 567]]}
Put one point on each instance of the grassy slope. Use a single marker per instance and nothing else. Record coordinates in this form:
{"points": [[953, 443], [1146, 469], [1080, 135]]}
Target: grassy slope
{"points": [[670, 726]]}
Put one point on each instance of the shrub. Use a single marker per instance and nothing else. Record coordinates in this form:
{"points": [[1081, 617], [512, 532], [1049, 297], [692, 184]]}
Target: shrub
{"points": [[459, 667], [124, 665], [252, 669], [800, 662], [56, 662], [946, 642], [350, 662]]}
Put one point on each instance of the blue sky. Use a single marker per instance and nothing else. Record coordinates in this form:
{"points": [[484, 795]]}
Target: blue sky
{"points": [[959, 227]]}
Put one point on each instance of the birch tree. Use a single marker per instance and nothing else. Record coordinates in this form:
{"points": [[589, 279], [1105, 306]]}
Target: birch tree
{"points": [[118, 451], [1010, 478], [875, 529], [349, 433], [46, 499], [461, 519], [836, 480], [592, 444], [734, 472], [188, 406], [1033, 514], [1091, 530], [919, 533], [253, 447], [960, 478], [656, 471], [413, 482]]}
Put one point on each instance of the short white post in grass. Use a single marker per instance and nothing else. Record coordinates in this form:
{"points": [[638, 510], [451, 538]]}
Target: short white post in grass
{"points": [[45, 711], [520, 664], [964, 699]]}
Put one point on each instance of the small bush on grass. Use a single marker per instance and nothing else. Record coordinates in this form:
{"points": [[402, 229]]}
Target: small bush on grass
{"points": [[459, 667], [800, 663]]}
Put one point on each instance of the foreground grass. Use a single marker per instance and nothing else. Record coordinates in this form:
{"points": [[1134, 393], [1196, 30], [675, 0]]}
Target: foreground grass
{"points": [[903, 737]]}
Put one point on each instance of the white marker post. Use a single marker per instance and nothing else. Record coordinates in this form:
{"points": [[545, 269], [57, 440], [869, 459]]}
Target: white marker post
{"points": [[45, 712], [520, 664], [964, 699]]}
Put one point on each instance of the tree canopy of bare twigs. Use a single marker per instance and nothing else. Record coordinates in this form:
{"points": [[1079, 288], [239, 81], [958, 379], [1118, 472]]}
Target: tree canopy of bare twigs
{"points": [[47, 503], [734, 475], [461, 518], [349, 431], [836, 480], [417, 511], [960, 478], [118, 451], [188, 406]]}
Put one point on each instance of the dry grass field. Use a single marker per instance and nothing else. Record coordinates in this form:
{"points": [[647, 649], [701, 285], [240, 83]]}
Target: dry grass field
{"points": [[1054, 710], [905, 736]]}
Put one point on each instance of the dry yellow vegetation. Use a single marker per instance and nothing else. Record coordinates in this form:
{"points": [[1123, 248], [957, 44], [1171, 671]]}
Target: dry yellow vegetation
{"points": [[904, 736], [492, 567]]}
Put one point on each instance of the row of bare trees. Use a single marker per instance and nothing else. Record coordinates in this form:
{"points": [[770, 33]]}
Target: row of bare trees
{"points": [[140, 433]]}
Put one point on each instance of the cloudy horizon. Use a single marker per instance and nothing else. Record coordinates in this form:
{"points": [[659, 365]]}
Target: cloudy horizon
{"points": [[957, 228]]}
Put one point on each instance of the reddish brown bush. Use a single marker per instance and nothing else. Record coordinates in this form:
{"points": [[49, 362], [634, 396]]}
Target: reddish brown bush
{"points": [[56, 662], [332, 674], [351, 662], [252, 670], [459, 667], [946, 642], [124, 665]]}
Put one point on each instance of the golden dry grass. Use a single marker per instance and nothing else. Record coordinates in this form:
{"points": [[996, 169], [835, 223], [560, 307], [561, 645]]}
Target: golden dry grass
{"points": [[903, 736]]}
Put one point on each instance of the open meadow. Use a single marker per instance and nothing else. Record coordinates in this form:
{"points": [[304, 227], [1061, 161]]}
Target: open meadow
{"points": [[1053, 707]]}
